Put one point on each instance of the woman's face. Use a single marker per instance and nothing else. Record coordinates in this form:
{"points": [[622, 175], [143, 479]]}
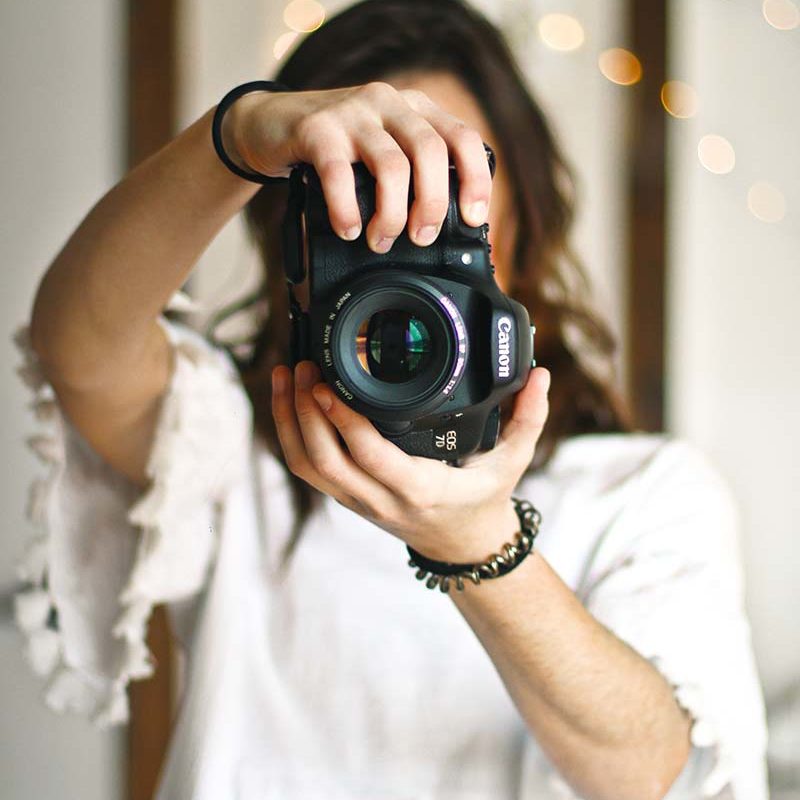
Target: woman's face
{"points": [[450, 94]]}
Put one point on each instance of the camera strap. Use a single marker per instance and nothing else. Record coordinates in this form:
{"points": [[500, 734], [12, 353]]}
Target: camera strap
{"points": [[294, 266], [292, 228]]}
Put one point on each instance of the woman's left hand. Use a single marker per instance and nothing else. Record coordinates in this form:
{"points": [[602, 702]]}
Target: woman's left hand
{"points": [[450, 514]]}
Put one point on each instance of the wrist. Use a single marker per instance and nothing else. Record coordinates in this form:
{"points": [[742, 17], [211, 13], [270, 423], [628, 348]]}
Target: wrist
{"points": [[486, 531], [235, 123]]}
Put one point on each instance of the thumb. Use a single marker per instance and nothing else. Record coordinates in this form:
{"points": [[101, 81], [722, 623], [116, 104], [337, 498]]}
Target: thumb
{"points": [[521, 432]]}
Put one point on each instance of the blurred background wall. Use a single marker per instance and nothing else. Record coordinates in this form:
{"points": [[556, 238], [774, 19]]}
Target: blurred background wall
{"points": [[733, 277], [61, 147], [734, 288]]}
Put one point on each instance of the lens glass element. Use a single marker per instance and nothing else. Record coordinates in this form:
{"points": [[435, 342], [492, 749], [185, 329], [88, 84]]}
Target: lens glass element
{"points": [[393, 345]]}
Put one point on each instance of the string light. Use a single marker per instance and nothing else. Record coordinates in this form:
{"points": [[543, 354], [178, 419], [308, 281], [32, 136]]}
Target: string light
{"points": [[561, 32], [781, 14], [679, 99], [766, 202], [283, 43], [716, 154], [620, 66], [304, 16]]}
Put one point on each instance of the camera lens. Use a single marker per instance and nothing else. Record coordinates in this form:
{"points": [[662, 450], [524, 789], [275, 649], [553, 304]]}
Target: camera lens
{"points": [[393, 345], [397, 344]]}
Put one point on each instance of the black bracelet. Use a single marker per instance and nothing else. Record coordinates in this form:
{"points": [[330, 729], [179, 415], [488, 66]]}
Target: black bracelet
{"points": [[216, 127], [440, 573]]}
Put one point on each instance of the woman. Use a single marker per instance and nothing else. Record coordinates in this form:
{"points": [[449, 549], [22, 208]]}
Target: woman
{"points": [[613, 662]]}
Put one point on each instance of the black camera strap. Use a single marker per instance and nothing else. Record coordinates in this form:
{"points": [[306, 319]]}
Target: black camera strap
{"points": [[293, 262]]}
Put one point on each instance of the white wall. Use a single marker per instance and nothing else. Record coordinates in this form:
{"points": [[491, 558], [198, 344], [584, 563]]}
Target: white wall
{"points": [[734, 327], [60, 149]]}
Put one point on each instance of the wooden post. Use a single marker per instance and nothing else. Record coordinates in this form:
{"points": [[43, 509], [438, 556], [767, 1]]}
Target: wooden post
{"points": [[151, 115], [647, 217]]}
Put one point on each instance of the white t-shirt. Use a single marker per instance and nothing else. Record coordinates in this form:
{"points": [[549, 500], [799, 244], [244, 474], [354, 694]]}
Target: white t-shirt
{"points": [[345, 678]]}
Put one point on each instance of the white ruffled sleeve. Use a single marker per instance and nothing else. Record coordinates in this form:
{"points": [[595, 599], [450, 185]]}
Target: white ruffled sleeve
{"points": [[106, 551], [667, 579]]}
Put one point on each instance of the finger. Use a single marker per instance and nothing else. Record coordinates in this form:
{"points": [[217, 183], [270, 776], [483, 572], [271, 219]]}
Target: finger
{"points": [[469, 157], [381, 458], [329, 152], [522, 431], [326, 455], [429, 161], [288, 430], [392, 172]]}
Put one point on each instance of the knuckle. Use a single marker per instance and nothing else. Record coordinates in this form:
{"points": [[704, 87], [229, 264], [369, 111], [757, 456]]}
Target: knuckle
{"points": [[416, 97], [296, 467], [418, 495], [365, 458], [380, 515], [393, 163], [429, 144], [432, 209], [391, 224], [327, 466], [305, 413], [378, 91], [464, 136], [314, 125], [334, 169]]}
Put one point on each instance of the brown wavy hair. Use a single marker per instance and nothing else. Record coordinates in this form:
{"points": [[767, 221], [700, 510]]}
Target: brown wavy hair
{"points": [[373, 39]]}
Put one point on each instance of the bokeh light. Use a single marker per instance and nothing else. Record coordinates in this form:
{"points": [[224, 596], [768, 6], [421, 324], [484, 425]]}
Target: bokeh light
{"points": [[679, 99], [304, 16], [781, 14], [561, 32], [766, 202], [283, 43], [620, 66], [716, 154]]}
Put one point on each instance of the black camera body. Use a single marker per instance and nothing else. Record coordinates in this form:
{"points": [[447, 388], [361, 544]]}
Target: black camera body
{"points": [[420, 339]]}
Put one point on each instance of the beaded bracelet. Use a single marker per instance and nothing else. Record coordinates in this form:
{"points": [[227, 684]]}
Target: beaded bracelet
{"points": [[216, 127], [440, 573]]}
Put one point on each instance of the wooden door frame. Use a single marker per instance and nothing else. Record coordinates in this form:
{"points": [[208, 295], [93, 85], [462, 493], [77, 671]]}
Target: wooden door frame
{"points": [[647, 217], [152, 92]]}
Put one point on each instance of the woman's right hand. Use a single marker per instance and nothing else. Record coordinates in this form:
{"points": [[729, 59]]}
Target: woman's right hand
{"points": [[392, 131]]}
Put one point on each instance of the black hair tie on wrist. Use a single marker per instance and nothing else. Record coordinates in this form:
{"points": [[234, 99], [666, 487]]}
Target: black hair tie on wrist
{"points": [[441, 573], [216, 127]]}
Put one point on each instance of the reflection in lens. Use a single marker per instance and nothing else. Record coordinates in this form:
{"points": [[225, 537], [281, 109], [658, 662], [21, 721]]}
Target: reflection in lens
{"points": [[393, 346]]}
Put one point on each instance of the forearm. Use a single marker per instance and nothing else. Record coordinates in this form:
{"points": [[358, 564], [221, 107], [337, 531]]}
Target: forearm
{"points": [[603, 714], [132, 251]]}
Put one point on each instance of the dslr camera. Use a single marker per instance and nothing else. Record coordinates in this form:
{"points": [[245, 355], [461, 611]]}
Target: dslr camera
{"points": [[420, 340]]}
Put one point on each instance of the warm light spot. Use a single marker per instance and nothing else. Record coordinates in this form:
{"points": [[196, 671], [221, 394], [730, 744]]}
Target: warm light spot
{"points": [[620, 66], [283, 43], [561, 32], [679, 99], [716, 154], [766, 202], [304, 16], [781, 14]]}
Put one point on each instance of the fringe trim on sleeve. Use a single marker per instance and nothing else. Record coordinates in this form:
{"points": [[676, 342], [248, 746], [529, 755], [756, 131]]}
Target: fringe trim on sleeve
{"points": [[197, 456]]}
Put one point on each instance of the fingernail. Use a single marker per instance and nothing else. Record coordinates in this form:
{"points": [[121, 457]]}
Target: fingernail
{"points": [[352, 233], [323, 398], [477, 213], [383, 245], [278, 382], [547, 380], [427, 234], [304, 376]]}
